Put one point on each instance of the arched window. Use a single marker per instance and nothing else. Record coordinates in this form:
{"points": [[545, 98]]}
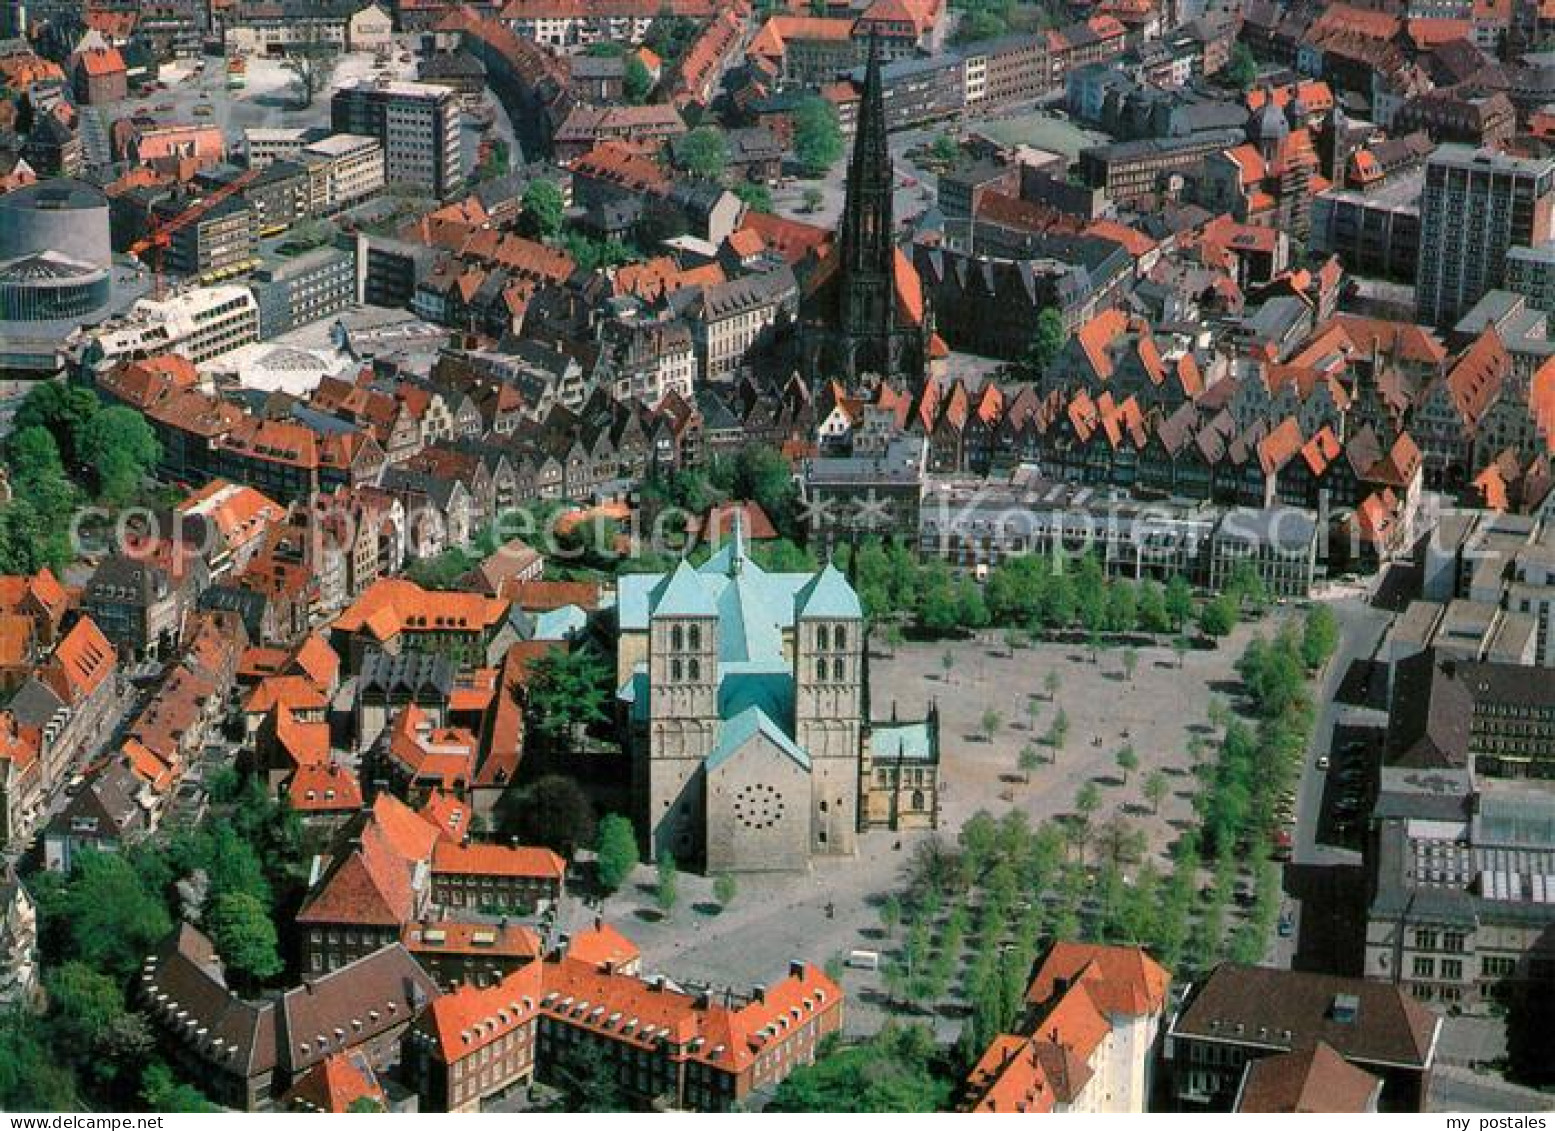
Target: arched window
{"points": [[677, 638], [694, 669], [694, 635], [820, 637], [675, 671], [839, 637]]}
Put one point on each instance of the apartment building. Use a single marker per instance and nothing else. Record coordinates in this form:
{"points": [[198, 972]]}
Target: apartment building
{"points": [[222, 242], [1007, 71], [695, 1052], [343, 169], [200, 324], [1461, 872], [1477, 204], [1241, 1014], [728, 319], [417, 125], [305, 288]]}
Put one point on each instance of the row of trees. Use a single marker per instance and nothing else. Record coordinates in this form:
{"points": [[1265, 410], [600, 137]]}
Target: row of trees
{"points": [[1031, 593], [974, 916]]}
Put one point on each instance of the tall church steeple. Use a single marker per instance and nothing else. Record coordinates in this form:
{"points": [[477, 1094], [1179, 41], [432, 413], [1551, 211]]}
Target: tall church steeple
{"points": [[855, 322], [868, 231]]}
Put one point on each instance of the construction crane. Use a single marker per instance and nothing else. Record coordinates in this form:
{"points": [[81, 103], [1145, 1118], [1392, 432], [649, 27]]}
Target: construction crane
{"points": [[161, 235]]}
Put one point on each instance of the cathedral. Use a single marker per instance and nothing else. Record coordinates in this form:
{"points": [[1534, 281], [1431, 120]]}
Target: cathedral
{"points": [[863, 315], [744, 696]]}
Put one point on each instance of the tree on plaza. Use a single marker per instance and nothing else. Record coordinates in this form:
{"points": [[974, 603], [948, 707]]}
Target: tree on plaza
{"points": [[1122, 607], [616, 852], [1058, 731], [1156, 789], [1029, 760], [1180, 649], [310, 57], [1218, 617], [1051, 683], [1130, 660], [990, 724], [724, 889], [1118, 842], [1033, 709], [817, 136], [1246, 585], [890, 913], [813, 198], [947, 662], [666, 892], [1152, 615], [1087, 800], [1014, 640], [1319, 637], [1128, 761]]}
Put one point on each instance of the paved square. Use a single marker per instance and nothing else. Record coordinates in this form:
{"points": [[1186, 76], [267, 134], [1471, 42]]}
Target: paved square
{"points": [[775, 918]]}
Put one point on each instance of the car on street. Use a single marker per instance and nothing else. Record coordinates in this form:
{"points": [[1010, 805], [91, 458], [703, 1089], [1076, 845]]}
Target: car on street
{"points": [[1287, 926], [1322, 761]]}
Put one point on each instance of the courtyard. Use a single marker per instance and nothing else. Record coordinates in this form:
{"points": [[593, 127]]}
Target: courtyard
{"points": [[833, 909]]}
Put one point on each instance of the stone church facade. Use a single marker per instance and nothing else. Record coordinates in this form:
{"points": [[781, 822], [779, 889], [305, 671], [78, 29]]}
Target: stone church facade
{"points": [[743, 694]]}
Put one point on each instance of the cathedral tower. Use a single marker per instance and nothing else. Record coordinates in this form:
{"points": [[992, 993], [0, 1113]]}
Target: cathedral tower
{"points": [[828, 704], [683, 706], [863, 317]]}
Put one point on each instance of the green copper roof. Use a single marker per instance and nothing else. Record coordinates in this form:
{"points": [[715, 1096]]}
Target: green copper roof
{"points": [[682, 594], [828, 594], [741, 686], [911, 742], [735, 735], [750, 619]]}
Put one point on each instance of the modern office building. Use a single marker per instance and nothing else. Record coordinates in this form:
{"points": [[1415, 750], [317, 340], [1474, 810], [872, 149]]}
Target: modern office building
{"points": [[418, 126], [305, 288], [1477, 204]]}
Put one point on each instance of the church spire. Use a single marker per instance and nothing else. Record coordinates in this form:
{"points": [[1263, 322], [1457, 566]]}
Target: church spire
{"points": [[868, 229]]}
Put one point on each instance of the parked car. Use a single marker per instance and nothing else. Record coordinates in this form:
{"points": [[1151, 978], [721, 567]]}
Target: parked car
{"points": [[1322, 762]]}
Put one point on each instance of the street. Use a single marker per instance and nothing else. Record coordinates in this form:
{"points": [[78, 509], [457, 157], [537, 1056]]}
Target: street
{"points": [[1324, 883]]}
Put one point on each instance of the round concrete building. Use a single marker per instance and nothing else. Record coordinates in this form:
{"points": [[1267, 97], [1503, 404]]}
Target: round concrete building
{"points": [[64, 216]]}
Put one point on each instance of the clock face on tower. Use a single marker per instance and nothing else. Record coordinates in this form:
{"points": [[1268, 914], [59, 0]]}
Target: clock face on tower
{"points": [[758, 806]]}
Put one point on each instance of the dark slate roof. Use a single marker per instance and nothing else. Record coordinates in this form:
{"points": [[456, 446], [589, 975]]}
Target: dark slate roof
{"points": [[1286, 1009]]}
